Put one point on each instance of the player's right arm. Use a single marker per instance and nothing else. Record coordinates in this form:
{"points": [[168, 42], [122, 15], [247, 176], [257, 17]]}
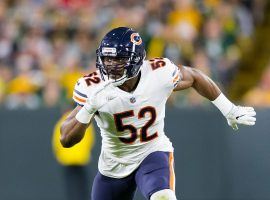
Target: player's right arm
{"points": [[72, 131], [89, 97]]}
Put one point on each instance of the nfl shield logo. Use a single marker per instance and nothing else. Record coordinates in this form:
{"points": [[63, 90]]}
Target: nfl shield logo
{"points": [[132, 100]]}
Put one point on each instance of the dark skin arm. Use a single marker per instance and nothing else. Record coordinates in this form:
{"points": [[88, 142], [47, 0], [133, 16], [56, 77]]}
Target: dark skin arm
{"points": [[199, 81], [72, 131]]}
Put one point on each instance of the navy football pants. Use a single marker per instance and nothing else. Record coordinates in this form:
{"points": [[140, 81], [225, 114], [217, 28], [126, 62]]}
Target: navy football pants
{"points": [[155, 173]]}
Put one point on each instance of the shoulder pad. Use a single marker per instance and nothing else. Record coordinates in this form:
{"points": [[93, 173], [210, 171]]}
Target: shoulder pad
{"points": [[166, 70], [80, 92], [85, 86]]}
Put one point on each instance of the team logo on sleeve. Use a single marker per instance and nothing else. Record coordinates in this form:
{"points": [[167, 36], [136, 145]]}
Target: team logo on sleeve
{"points": [[136, 38]]}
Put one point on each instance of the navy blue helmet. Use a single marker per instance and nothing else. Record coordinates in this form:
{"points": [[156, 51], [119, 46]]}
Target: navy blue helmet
{"points": [[121, 43]]}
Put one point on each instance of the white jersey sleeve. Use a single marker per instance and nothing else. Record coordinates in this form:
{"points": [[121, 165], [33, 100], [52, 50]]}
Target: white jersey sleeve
{"points": [[86, 86], [80, 92], [173, 75], [167, 71]]}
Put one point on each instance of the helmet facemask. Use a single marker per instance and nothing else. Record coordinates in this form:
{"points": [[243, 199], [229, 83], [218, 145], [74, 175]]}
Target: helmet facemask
{"points": [[121, 69], [116, 69], [120, 43]]}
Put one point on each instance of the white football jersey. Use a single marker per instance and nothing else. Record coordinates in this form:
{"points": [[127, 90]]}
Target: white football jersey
{"points": [[132, 125]]}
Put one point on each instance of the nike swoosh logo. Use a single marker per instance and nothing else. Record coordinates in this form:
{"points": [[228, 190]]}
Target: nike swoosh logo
{"points": [[239, 116]]}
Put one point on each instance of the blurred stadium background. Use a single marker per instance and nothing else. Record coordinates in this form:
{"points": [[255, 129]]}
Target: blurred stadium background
{"points": [[46, 45]]}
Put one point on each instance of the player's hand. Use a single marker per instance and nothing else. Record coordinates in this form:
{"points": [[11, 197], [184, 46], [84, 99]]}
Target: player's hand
{"points": [[102, 96], [241, 115]]}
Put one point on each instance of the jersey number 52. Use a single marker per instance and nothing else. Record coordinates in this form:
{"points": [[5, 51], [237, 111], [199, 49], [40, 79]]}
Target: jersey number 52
{"points": [[144, 137]]}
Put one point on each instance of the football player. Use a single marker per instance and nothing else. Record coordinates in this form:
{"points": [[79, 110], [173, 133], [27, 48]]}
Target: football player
{"points": [[127, 96]]}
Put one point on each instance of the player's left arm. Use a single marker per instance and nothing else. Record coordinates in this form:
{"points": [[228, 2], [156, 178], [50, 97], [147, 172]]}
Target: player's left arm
{"points": [[206, 87], [191, 77]]}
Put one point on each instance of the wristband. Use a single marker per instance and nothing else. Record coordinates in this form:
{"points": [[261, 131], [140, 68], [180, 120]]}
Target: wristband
{"points": [[223, 104], [83, 116]]}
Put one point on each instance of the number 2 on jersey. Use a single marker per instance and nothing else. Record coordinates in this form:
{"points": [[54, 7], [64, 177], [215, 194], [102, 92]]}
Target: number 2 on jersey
{"points": [[92, 78], [144, 137]]}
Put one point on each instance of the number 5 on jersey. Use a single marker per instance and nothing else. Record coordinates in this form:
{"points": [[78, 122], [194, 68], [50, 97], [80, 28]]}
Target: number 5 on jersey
{"points": [[144, 137]]}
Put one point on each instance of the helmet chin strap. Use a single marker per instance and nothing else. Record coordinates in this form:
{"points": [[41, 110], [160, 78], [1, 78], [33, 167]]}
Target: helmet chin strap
{"points": [[123, 79], [119, 82]]}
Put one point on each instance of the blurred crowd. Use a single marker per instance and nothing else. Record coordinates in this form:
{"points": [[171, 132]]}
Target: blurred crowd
{"points": [[46, 45]]}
